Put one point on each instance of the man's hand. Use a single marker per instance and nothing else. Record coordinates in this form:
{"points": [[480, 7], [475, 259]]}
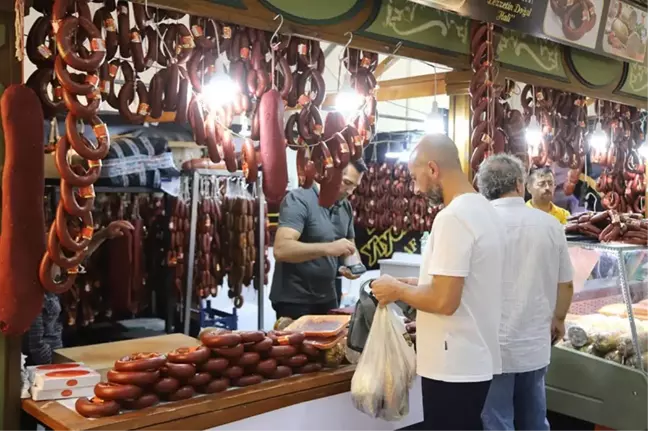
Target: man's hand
{"points": [[557, 330], [341, 247], [346, 273], [386, 289], [117, 228], [412, 281]]}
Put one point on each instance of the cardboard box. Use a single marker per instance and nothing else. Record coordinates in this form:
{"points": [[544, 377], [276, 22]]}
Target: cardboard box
{"points": [[62, 376], [39, 394]]}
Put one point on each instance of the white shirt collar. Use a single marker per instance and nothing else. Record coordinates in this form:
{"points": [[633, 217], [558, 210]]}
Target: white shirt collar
{"points": [[512, 201]]}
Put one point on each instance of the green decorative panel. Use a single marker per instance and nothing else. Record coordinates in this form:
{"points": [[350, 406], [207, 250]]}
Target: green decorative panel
{"points": [[636, 82], [530, 54], [315, 11], [419, 26], [593, 70], [238, 4]]}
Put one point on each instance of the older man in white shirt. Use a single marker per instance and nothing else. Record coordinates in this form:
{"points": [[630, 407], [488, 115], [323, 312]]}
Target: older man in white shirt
{"points": [[536, 295]]}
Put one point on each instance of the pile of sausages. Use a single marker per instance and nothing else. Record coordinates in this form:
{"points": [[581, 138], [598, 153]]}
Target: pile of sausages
{"points": [[225, 359], [622, 183], [385, 199], [496, 127], [563, 120], [70, 27], [610, 226]]}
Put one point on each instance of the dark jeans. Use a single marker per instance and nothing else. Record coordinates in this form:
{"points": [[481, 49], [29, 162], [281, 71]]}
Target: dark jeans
{"points": [[453, 406], [295, 311]]}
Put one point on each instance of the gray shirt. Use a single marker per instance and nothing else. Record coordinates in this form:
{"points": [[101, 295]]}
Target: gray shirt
{"points": [[311, 282]]}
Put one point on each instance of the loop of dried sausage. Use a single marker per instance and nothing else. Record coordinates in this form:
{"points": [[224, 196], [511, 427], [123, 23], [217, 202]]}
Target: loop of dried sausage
{"points": [[140, 362], [39, 45], [69, 197], [137, 378], [85, 112], [104, 20], [189, 355], [63, 233], [55, 283], [179, 371], [143, 402], [66, 44], [116, 392], [70, 175], [81, 144], [95, 407], [126, 96]]}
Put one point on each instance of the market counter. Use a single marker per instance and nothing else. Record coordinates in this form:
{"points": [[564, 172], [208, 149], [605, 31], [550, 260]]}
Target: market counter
{"points": [[203, 412], [299, 402]]}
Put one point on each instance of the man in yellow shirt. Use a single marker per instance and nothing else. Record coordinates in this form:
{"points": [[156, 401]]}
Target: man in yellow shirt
{"points": [[541, 184]]}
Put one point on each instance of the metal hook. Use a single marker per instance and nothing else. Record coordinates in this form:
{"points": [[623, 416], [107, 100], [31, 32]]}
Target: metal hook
{"points": [[276, 33], [344, 50]]}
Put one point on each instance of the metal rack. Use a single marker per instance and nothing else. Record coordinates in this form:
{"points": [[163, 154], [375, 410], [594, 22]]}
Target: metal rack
{"points": [[258, 279]]}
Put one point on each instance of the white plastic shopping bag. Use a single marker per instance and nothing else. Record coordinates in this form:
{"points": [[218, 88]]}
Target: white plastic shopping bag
{"points": [[386, 369]]}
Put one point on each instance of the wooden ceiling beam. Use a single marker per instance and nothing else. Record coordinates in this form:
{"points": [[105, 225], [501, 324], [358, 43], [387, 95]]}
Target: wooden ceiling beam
{"points": [[402, 88]]}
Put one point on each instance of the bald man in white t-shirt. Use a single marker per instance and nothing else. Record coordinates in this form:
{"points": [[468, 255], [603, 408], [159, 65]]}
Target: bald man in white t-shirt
{"points": [[457, 293]]}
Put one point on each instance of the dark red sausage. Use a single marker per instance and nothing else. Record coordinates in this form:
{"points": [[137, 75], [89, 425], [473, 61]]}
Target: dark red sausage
{"points": [[273, 147], [22, 243]]}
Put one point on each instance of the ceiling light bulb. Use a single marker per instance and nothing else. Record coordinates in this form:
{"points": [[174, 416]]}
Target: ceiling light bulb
{"points": [[598, 140], [434, 122], [533, 134], [219, 91], [348, 102]]}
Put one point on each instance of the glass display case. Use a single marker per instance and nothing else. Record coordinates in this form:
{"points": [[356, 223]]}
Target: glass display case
{"points": [[598, 371]]}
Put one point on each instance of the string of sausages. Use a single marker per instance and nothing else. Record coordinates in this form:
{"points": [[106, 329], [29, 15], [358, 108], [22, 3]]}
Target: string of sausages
{"points": [[487, 136], [610, 226], [563, 120], [71, 27], [224, 359], [622, 183], [385, 199], [227, 224]]}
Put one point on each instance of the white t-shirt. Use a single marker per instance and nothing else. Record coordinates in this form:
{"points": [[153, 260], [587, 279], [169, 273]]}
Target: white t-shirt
{"points": [[537, 259], [467, 240]]}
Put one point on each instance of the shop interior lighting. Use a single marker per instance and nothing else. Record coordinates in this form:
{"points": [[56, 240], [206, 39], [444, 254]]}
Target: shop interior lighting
{"points": [[434, 121], [598, 140], [245, 128], [220, 91], [348, 101], [643, 150], [533, 133]]}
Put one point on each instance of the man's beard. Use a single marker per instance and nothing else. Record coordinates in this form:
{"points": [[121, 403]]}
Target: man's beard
{"points": [[434, 196]]}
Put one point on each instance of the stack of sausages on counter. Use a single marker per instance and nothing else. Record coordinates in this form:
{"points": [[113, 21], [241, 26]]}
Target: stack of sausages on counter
{"points": [[225, 359]]}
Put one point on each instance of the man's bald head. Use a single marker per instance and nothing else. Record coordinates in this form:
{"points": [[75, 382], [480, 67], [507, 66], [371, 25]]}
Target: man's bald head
{"points": [[433, 164], [437, 148]]}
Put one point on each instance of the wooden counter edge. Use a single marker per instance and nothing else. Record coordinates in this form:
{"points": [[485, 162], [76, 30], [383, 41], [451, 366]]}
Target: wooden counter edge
{"points": [[209, 410]]}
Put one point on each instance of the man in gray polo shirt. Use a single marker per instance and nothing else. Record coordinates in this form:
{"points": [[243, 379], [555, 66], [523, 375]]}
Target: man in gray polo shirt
{"points": [[308, 246]]}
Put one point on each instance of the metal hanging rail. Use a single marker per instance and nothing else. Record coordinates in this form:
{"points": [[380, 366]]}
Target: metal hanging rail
{"points": [[259, 278]]}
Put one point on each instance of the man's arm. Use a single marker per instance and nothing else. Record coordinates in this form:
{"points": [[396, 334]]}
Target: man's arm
{"points": [[293, 216], [563, 301], [565, 277], [288, 248], [441, 296], [450, 264]]}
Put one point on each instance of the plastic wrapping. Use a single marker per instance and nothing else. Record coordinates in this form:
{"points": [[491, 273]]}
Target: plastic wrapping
{"points": [[386, 369]]}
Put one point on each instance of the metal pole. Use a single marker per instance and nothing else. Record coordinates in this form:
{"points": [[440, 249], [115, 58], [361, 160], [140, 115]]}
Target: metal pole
{"points": [[192, 251], [625, 290], [260, 253]]}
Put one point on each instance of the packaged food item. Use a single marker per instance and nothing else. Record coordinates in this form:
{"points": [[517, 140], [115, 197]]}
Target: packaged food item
{"points": [[614, 356], [39, 394], [590, 349], [614, 310], [606, 341], [579, 336], [62, 376], [625, 345]]}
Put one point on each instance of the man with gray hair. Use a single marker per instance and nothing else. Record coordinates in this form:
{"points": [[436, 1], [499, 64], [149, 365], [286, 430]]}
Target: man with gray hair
{"points": [[536, 293]]}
